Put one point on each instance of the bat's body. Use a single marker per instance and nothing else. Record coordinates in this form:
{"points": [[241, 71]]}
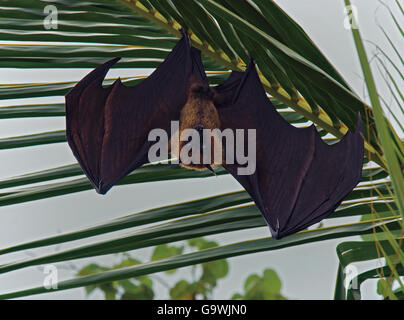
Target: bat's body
{"points": [[198, 113], [298, 179]]}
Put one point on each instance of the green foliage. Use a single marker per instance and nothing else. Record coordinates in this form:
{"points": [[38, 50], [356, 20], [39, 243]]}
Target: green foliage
{"points": [[385, 290], [141, 287], [265, 287], [388, 243], [183, 290], [164, 251], [211, 272]]}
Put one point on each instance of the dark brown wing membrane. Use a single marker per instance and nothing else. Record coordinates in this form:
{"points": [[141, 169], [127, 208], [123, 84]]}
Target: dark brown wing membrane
{"points": [[299, 179], [107, 128]]}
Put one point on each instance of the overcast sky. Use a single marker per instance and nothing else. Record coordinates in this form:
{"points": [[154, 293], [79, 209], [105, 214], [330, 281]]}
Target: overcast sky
{"points": [[307, 271]]}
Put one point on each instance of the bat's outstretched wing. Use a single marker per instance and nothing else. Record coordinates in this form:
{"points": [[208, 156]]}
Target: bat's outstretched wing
{"points": [[107, 128], [299, 179]]}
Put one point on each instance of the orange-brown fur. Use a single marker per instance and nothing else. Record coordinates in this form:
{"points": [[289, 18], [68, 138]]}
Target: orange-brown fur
{"points": [[198, 110]]}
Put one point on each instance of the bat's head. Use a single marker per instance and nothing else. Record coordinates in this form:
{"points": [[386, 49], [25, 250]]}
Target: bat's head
{"points": [[201, 91], [200, 146]]}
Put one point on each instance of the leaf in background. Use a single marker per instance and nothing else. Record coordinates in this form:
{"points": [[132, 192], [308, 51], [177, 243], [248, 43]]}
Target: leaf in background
{"points": [[265, 287], [165, 251]]}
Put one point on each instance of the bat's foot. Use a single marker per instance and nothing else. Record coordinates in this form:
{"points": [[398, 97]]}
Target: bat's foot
{"points": [[210, 169]]}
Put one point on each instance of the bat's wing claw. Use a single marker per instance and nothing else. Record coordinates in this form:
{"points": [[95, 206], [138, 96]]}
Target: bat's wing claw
{"points": [[210, 169]]}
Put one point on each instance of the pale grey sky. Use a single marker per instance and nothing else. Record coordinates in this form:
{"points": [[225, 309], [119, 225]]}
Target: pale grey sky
{"points": [[307, 271]]}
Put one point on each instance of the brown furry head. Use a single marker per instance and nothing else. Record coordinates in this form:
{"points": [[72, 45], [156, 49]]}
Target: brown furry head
{"points": [[198, 113]]}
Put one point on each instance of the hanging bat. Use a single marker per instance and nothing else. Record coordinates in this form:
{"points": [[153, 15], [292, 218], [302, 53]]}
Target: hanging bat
{"points": [[298, 179]]}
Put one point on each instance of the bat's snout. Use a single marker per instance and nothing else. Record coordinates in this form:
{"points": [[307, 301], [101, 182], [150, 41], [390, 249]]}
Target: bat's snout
{"points": [[199, 128]]}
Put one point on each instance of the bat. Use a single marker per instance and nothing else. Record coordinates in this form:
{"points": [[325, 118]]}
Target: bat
{"points": [[297, 180]]}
